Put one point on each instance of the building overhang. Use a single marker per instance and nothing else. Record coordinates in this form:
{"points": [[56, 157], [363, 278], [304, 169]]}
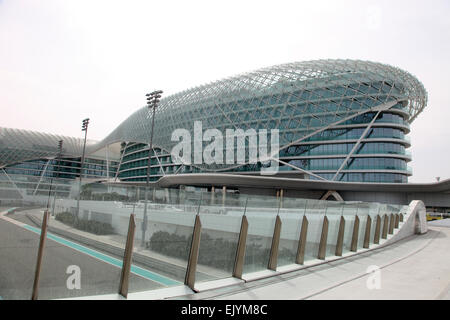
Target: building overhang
{"points": [[271, 182]]}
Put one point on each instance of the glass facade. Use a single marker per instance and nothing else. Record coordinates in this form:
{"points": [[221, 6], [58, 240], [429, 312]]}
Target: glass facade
{"points": [[376, 151]]}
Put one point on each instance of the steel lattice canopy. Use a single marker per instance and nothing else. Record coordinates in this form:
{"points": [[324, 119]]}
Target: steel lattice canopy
{"points": [[297, 98]]}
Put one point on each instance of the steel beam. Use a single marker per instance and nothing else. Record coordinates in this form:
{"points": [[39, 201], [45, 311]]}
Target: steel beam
{"points": [[340, 238], [323, 240], [240, 250], [273, 259], [300, 258], [127, 258], [193, 254], [367, 232], [354, 245], [37, 273]]}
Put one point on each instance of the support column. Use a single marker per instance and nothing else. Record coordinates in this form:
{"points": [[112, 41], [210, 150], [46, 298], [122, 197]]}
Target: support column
{"points": [[340, 238], [385, 226], [193, 254], [354, 246], [281, 198], [391, 224], [240, 251], [275, 245], [213, 190], [367, 232], [376, 238], [167, 195], [300, 258], [323, 240], [127, 258], [224, 195], [37, 273]]}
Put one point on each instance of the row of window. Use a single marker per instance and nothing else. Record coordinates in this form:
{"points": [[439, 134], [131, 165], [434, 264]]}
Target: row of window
{"points": [[66, 168], [366, 177], [355, 133], [343, 148], [352, 164], [60, 174], [383, 117]]}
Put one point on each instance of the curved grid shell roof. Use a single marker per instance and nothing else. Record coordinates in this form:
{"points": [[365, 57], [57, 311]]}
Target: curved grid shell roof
{"points": [[255, 99], [219, 104], [18, 145]]}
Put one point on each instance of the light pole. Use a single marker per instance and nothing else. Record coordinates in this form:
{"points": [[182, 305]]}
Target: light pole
{"points": [[60, 144], [152, 103], [84, 128], [51, 177]]}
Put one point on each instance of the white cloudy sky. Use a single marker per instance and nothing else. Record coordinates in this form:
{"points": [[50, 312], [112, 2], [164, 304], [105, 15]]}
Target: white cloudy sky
{"points": [[62, 61]]}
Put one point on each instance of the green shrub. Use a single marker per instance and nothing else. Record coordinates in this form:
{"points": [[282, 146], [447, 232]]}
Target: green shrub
{"points": [[215, 252], [92, 226]]}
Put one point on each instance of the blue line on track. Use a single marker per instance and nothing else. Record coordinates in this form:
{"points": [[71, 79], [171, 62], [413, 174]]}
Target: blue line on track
{"points": [[105, 258]]}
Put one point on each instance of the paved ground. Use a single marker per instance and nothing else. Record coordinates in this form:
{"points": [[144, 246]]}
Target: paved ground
{"points": [[18, 250], [444, 223], [415, 268]]}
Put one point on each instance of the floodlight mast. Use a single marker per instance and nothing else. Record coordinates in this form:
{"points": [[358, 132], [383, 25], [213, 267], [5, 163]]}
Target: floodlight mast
{"points": [[84, 127], [153, 99]]}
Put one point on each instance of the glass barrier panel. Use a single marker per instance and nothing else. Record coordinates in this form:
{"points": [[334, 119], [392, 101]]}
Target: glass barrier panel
{"points": [[335, 208], [334, 221], [363, 213], [162, 245], [291, 224], [261, 214], [218, 244], [375, 209], [84, 252], [315, 212], [349, 214]]}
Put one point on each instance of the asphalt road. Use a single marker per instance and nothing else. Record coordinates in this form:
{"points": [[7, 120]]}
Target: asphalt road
{"points": [[18, 252]]}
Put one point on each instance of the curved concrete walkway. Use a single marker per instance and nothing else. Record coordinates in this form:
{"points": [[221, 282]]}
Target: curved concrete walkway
{"points": [[414, 268]]}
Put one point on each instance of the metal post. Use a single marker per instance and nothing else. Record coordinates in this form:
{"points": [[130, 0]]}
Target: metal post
{"points": [[240, 250], [60, 144], [354, 245], [85, 129], [340, 238], [127, 257], [152, 101], [385, 226], [193, 254], [37, 273], [391, 224], [376, 238], [300, 258], [272, 265], [224, 195], [367, 232], [323, 240], [281, 197], [213, 191]]}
